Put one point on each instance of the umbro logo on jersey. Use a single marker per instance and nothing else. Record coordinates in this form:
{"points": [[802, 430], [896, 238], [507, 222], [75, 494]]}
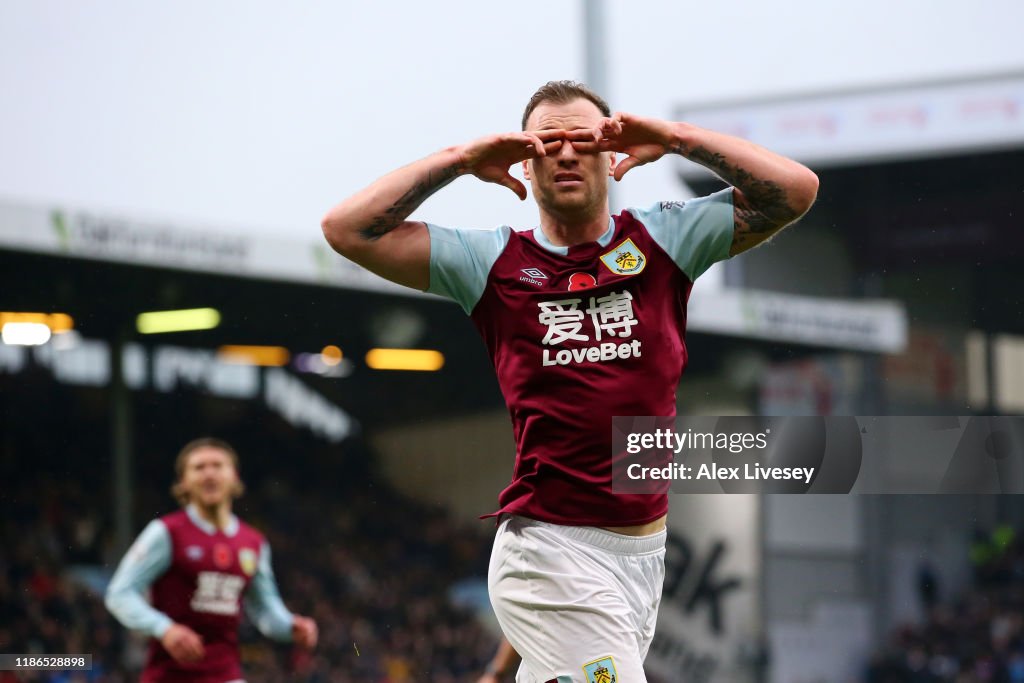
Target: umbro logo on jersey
{"points": [[533, 276]]}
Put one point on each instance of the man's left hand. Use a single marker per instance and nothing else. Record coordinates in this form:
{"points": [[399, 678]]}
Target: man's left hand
{"points": [[643, 139], [304, 632]]}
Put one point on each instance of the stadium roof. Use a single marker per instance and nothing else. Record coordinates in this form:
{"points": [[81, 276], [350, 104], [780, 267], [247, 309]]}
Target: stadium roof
{"points": [[104, 298], [894, 122], [306, 293]]}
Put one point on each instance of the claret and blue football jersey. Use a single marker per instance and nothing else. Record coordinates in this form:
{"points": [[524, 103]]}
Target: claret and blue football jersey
{"points": [[199, 576], [578, 335]]}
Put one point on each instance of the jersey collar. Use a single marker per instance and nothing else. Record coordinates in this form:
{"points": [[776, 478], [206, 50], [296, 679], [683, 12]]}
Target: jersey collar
{"points": [[230, 530], [604, 240]]}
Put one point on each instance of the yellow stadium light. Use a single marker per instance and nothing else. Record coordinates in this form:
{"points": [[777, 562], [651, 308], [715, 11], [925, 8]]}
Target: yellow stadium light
{"points": [[330, 355], [57, 322], [60, 322], [272, 356], [405, 359], [23, 317], [158, 322], [25, 334]]}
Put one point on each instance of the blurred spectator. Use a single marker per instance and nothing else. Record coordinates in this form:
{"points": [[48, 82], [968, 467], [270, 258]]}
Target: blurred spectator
{"points": [[977, 639]]}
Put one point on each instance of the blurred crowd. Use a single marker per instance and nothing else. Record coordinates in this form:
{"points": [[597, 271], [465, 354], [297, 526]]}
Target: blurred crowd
{"points": [[978, 638], [375, 569]]}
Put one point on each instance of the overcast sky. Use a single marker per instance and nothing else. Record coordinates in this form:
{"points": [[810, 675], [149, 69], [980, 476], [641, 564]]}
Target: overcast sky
{"points": [[257, 115]]}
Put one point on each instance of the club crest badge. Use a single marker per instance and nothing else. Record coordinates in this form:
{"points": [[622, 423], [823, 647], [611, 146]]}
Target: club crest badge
{"points": [[601, 671], [247, 561], [625, 259]]}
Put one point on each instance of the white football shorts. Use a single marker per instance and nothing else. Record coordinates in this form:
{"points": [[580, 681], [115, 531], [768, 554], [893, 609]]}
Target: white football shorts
{"points": [[577, 603]]}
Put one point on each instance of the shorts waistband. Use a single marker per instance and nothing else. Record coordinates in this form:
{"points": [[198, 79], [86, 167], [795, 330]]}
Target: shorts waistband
{"points": [[623, 544]]}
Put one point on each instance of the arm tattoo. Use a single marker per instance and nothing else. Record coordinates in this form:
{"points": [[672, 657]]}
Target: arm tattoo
{"points": [[761, 208], [394, 215]]}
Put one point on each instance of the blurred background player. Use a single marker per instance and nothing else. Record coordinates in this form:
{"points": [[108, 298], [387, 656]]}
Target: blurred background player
{"points": [[201, 563], [584, 318]]}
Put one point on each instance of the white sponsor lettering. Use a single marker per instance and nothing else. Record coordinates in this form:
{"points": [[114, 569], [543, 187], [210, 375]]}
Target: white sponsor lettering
{"points": [[217, 593], [610, 315], [594, 354], [563, 319]]}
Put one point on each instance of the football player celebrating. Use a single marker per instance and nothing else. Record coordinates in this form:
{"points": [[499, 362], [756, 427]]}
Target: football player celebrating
{"points": [[200, 564], [584, 317]]}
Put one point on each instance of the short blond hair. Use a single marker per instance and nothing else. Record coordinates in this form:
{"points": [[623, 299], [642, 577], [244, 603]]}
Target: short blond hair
{"points": [[178, 490]]}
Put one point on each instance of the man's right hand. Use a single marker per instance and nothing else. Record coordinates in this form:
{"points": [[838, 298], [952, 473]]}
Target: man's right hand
{"points": [[371, 227], [182, 643], [490, 158]]}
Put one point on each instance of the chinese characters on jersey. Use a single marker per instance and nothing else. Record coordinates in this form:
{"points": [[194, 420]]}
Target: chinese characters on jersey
{"points": [[609, 316]]}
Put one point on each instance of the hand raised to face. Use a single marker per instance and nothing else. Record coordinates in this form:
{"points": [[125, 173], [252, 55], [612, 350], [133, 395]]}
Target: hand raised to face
{"points": [[642, 139], [489, 158]]}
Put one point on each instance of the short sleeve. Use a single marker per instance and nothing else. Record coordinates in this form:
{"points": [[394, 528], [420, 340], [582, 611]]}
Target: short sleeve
{"points": [[696, 233], [461, 260]]}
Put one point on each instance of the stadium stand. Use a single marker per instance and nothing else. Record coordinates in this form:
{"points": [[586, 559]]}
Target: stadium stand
{"points": [[373, 568], [977, 638]]}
